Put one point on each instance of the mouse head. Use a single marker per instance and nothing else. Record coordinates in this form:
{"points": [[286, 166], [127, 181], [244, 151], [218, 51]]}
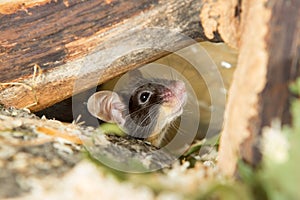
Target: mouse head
{"points": [[142, 109]]}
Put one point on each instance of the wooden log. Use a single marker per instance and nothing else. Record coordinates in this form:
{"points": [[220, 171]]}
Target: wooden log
{"points": [[56, 37], [222, 18], [268, 61]]}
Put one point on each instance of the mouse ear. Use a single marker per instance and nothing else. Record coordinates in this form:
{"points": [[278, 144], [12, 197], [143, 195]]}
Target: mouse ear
{"points": [[131, 78], [134, 79], [107, 106], [136, 73]]}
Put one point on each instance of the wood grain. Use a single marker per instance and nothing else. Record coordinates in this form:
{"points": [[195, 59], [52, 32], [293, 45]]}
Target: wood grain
{"points": [[40, 34], [268, 62], [63, 37]]}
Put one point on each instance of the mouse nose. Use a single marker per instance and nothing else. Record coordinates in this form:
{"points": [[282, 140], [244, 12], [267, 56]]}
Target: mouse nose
{"points": [[180, 86], [180, 90]]}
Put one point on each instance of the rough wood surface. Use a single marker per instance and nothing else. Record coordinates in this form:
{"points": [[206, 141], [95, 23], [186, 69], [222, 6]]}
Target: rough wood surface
{"points": [[37, 153], [9, 7], [57, 36], [268, 61], [222, 18]]}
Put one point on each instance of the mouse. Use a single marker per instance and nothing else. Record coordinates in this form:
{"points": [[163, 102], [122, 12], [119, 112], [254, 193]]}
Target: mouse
{"points": [[143, 108]]}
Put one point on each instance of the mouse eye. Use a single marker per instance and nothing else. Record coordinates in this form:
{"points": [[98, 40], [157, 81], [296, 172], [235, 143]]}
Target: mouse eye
{"points": [[144, 97]]}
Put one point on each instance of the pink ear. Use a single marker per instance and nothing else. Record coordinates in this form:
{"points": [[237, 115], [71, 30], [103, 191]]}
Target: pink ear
{"points": [[107, 106]]}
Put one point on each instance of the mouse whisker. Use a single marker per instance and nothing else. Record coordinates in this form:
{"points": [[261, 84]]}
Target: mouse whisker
{"points": [[175, 126], [187, 111], [150, 105], [150, 114]]}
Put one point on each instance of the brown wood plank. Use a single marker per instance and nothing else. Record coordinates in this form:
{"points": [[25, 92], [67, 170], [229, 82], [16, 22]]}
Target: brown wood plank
{"points": [[39, 34], [268, 63], [59, 35], [283, 46], [222, 18]]}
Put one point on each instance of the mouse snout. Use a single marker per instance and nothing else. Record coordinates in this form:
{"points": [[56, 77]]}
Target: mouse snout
{"points": [[180, 87], [180, 90]]}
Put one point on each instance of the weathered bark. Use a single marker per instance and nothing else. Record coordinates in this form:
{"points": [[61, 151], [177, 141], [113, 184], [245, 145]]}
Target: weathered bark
{"points": [[222, 18], [57, 36], [268, 61]]}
